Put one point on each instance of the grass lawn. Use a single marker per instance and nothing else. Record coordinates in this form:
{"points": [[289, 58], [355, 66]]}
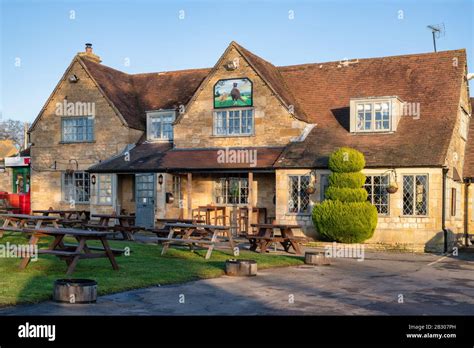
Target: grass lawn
{"points": [[144, 267]]}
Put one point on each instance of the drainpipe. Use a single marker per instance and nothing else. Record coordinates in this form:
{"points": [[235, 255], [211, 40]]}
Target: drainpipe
{"points": [[443, 214], [466, 214]]}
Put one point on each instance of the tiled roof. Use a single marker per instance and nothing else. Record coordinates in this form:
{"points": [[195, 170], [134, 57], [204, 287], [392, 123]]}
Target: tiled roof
{"points": [[320, 93], [7, 148], [469, 157], [153, 157], [132, 95], [324, 90]]}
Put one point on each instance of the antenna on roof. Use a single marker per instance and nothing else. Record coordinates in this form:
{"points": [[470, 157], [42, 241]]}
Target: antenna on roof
{"points": [[437, 30]]}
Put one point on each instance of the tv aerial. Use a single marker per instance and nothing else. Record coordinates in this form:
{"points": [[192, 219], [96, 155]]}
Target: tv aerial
{"points": [[437, 30]]}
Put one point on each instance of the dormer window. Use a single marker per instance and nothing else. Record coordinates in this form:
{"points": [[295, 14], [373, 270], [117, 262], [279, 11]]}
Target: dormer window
{"points": [[373, 117], [370, 115], [160, 125]]}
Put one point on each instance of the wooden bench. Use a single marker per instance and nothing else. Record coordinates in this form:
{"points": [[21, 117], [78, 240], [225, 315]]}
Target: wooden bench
{"points": [[115, 251], [98, 227]]}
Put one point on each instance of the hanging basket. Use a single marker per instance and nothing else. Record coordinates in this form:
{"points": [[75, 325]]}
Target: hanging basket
{"points": [[310, 190], [69, 171], [392, 189]]}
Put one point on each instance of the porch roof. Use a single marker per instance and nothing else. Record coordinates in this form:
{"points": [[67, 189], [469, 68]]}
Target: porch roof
{"points": [[159, 157]]}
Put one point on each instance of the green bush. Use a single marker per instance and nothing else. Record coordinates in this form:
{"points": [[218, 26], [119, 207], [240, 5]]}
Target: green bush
{"points": [[345, 222], [346, 160], [349, 180], [344, 194], [346, 216]]}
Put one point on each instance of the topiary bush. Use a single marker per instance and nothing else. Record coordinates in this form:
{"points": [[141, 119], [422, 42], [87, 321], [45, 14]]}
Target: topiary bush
{"points": [[346, 160], [344, 194], [341, 222], [346, 216]]}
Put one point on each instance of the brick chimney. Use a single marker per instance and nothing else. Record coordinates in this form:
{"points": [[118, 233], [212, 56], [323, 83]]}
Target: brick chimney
{"points": [[89, 54]]}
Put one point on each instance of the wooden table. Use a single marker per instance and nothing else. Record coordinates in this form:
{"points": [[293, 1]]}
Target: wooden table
{"points": [[208, 209], [194, 235], [265, 237], [16, 222], [71, 253], [126, 224], [65, 214], [69, 218], [178, 220]]}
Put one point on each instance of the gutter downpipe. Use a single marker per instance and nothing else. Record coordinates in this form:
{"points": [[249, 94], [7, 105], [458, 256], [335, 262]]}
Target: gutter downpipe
{"points": [[466, 214], [443, 214]]}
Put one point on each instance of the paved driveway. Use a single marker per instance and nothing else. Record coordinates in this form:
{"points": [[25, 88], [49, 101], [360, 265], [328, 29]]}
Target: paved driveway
{"points": [[424, 284]]}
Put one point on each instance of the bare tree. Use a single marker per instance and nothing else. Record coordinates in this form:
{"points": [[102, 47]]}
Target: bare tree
{"points": [[12, 130]]}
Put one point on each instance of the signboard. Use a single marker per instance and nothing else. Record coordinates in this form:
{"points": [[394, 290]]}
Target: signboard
{"points": [[230, 93], [17, 161]]}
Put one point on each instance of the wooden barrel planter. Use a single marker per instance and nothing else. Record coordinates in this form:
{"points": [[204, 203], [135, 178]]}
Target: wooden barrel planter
{"points": [[75, 291], [316, 258], [241, 268]]}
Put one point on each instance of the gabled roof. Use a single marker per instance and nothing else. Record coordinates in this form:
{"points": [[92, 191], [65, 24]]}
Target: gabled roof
{"points": [[468, 171], [273, 77], [324, 90], [132, 95]]}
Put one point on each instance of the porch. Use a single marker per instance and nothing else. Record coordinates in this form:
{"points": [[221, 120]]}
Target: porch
{"points": [[217, 198]]}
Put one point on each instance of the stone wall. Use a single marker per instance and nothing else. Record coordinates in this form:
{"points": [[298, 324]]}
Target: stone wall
{"points": [[6, 180], [274, 125], [51, 157], [411, 232]]}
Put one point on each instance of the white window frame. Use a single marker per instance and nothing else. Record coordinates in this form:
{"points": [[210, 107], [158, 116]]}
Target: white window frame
{"points": [[464, 124], [225, 182], [373, 115], [65, 195], [371, 198], [227, 112], [154, 115], [299, 210], [103, 179], [414, 195], [87, 127]]}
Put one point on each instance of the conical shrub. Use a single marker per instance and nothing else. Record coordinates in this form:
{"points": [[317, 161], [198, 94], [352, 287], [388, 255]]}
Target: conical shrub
{"points": [[346, 216]]}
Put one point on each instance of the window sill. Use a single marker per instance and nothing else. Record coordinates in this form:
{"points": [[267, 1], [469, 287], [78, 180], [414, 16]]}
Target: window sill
{"points": [[232, 136], [415, 216], [76, 203], [372, 132], [77, 142], [298, 214]]}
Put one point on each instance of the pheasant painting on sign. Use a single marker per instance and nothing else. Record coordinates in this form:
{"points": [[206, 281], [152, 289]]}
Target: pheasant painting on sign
{"points": [[233, 93]]}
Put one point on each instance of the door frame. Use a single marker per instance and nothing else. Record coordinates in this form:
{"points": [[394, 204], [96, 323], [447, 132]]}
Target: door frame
{"points": [[137, 175]]}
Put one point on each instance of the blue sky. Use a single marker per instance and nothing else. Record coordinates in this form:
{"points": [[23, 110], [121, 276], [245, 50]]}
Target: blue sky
{"points": [[151, 36]]}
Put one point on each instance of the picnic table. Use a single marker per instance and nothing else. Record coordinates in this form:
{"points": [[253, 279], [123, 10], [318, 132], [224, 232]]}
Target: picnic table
{"points": [[71, 253], [265, 237], [126, 224], [16, 222], [194, 235], [68, 217]]}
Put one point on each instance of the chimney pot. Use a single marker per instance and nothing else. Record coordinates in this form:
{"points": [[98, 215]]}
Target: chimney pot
{"points": [[88, 48]]}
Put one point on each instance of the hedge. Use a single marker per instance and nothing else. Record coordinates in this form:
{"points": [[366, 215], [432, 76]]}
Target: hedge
{"points": [[345, 222]]}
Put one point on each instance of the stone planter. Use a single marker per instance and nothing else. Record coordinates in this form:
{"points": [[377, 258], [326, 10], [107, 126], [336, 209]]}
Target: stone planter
{"points": [[241, 268], [316, 258]]}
